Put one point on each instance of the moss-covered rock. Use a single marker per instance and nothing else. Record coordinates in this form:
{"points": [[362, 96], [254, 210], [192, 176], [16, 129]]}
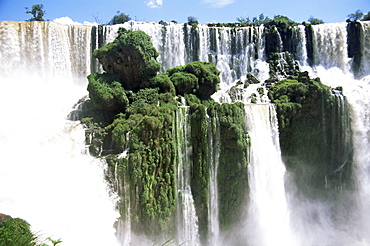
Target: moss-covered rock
{"points": [[106, 92], [146, 130], [164, 83], [314, 133], [233, 162], [131, 56], [185, 83], [199, 78]]}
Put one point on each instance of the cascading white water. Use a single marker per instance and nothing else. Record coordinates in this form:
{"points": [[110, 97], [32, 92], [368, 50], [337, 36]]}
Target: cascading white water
{"points": [[187, 226], [46, 176], [330, 45], [345, 221], [46, 180], [235, 52], [268, 215], [213, 209]]}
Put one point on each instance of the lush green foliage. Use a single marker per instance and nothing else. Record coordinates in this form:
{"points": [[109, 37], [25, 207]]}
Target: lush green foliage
{"points": [[311, 119], [144, 125], [164, 83], [119, 18], [106, 92], [233, 161], [185, 83], [138, 40], [315, 21], [132, 57], [290, 94], [37, 12], [193, 21], [358, 15], [262, 19], [152, 154], [16, 232], [200, 78]]}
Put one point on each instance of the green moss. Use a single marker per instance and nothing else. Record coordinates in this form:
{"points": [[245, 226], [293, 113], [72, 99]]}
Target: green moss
{"points": [[233, 162], [199, 78], [106, 92], [164, 83], [132, 57], [137, 39], [16, 232], [314, 133], [185, 83], [200, 171]]}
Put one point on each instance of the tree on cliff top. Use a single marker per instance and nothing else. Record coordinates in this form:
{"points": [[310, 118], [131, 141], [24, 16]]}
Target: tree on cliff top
{"points": [[119, 18], [37, 12]]}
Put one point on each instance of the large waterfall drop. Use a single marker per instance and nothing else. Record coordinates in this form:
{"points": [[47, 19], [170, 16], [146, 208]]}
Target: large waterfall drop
{"points": [[344, 221], [187, 218], [268, 215], [46, 176]]}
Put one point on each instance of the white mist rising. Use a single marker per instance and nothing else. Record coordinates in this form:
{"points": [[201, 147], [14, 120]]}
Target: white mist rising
{"points": [[46, 176], [268, 221]]}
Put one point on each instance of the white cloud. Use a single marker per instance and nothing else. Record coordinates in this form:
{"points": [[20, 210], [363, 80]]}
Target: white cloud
{"points": [[218, 3], [154, 3]]}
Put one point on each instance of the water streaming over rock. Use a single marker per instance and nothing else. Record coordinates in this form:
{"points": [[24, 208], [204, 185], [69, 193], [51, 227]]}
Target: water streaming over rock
{"points": [[187, 230], [44, 65], [213, 211], [268, 214]]}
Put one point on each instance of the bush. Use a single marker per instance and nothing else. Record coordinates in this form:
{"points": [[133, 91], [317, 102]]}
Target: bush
{"points": [[16, 232], [119, 18]]}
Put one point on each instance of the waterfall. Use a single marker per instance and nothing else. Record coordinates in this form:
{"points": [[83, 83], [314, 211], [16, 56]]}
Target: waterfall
{"points": [[345, 219], [330, 45], [268, 210], [235, 52], [213, 211], [187, 230], [46, 177]]}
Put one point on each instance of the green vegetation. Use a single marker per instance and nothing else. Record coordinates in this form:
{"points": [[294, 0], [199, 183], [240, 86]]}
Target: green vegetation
{"points": [[133, 108], [308, 117], [106, 92], [132, 57], [37, 12], [358, 15], [315, 21], [193, 21], [233, 161], [366, 17], [199, 78], [119, 18], [17, 232], [262, 19]]}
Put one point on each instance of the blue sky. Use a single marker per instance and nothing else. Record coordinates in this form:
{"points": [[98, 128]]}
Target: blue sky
{"points": [[206, 11]]}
